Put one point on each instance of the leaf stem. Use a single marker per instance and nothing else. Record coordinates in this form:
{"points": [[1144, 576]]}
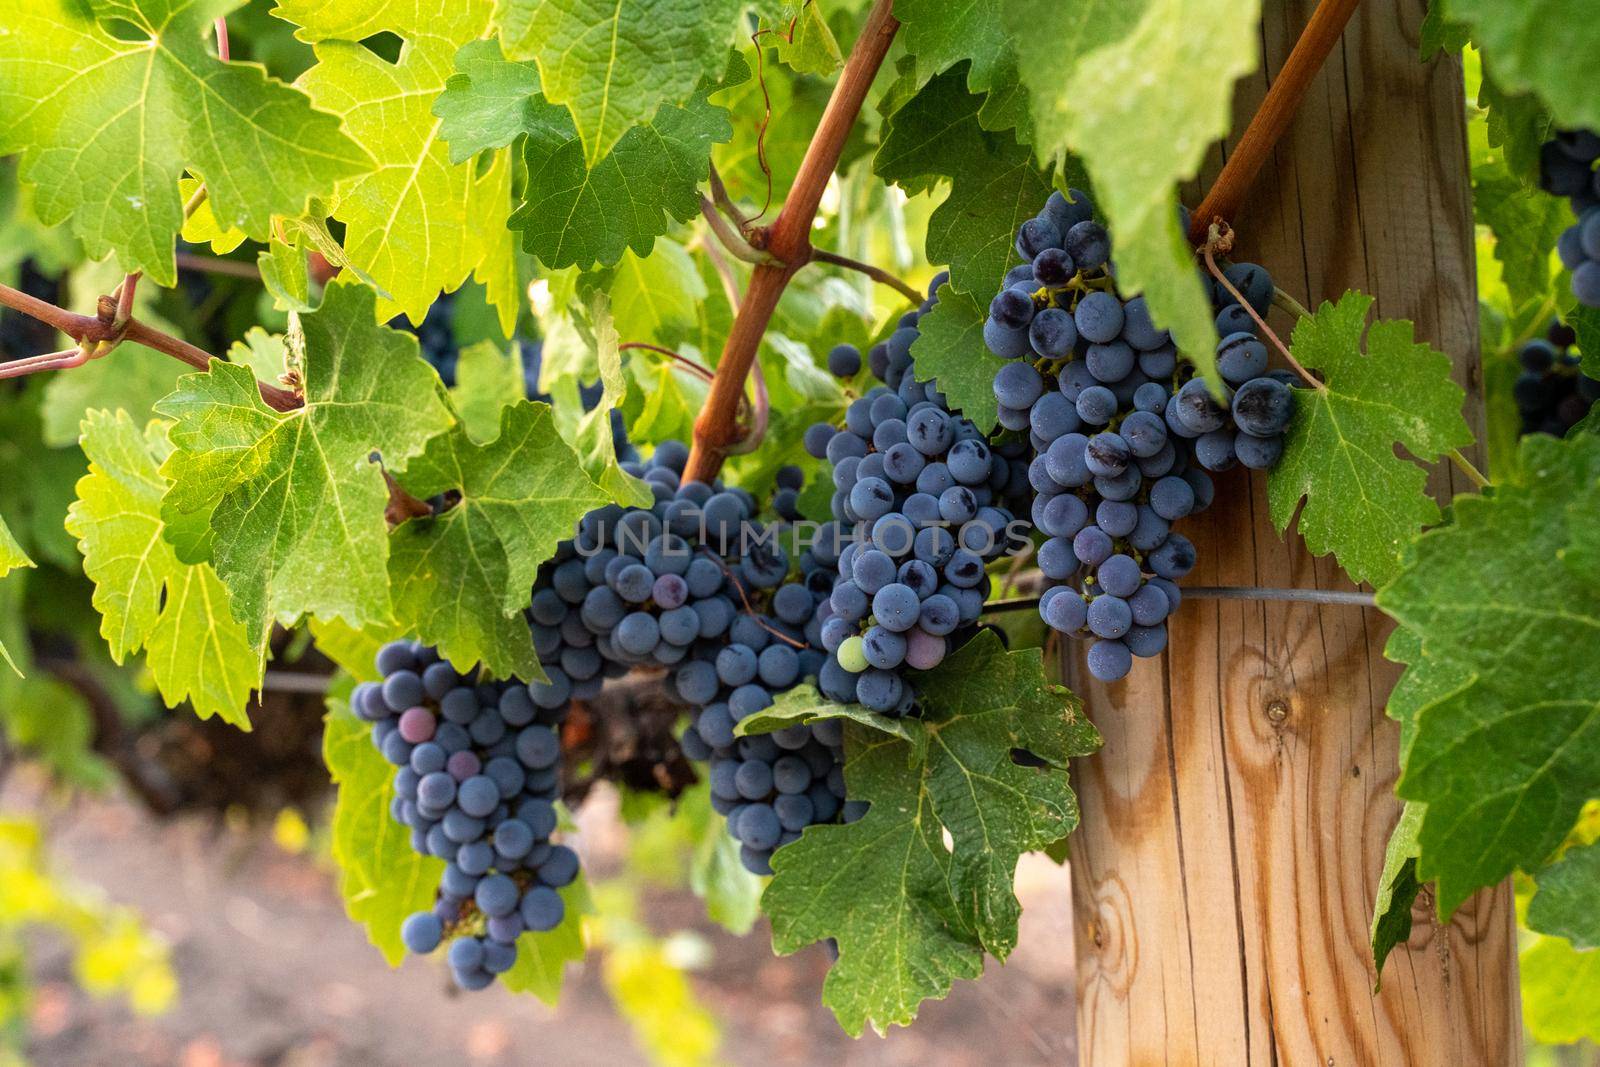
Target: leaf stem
{"points": [[688, 364], [1285, 302], [1465, 466], [1273, 117], [731, 238], [789, 241], [877, 274], [1223, 235]]}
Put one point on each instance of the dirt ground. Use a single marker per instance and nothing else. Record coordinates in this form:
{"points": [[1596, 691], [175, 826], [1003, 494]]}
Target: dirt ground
{"points": [[272, 974]]}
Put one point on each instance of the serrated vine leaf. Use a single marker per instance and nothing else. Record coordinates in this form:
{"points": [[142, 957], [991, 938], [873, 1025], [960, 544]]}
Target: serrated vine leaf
{"points": [[489, 379], [1050, 42], [1504, 759], [106, 126], [1143, 103], [804, 704], [942, 35], [381, 878], [417, 223], [1362, 503], [461, 578], [910, 914], [994, 185], [572, 211], [591, 437], [491, 101], [805, 42], [148, 599], [950, 350], [1568, 901], [1525, 223], [612, 63], [1397, 889], [627, 198], [1530, 56], [295, 501]]}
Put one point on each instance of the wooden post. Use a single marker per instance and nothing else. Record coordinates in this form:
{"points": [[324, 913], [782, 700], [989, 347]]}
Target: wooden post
{"points": [[1234, 824]]}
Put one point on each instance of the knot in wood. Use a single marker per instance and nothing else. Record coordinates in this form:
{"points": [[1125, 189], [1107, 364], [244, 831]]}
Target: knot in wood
{"points": [[1277, 711]]}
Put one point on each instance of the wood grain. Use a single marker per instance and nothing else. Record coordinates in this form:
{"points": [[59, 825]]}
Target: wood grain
{"points": [[1234, 824]]}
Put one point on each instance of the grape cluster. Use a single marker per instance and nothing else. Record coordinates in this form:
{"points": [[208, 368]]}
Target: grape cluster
{"points": [[479, 768], [1567, 167], [1551, 393], [925, 500], [1122, 431], [697, 585]]}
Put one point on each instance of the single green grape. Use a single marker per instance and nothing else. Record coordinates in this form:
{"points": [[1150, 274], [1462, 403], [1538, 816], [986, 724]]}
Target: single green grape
{"points": [[852, 656]]}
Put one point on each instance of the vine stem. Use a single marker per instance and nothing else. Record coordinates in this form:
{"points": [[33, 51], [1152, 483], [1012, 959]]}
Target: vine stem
{"points": [[877, 274], [233, 268], [1223, 237], [1272, 118], [1230, 592], [789, 241], [684, 361]]}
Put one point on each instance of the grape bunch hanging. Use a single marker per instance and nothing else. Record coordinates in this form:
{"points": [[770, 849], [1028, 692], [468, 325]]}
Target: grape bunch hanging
{"points": [[1123, 433], [1567, 167], [926, 502], [478, 772]]}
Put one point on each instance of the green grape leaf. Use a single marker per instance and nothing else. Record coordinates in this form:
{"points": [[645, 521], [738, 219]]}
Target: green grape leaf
{"points": [[1397, 889], [1050, 44], [381, 878], [1440, 33], [613, 64], [1568, 901], [461, 578], [1363, 503], [1529, 56], [591, 436], [1525, 223], [264, 353], [994, 186], [286, 276], [653, 296], [626, 199], [354, 651], [109, 107], [489, 379], [573, 212], [1508, 750], [147, 598], [950, 350], [942, 35], [911, 914], [716, 875], [491, 101], [295, 502], [202, 227], [1560, 991], [804, 704], [11, 558], [542, 958], [804, 41], [417, 223], [1141, 107]]}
